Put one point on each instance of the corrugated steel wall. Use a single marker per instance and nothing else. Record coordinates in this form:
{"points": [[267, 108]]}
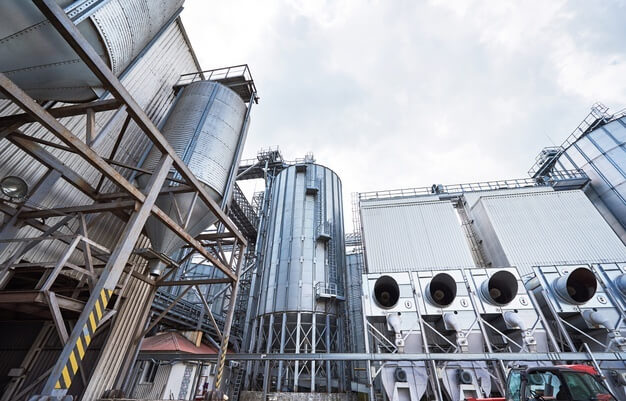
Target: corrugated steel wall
{"points": [[602, 155], [150, 82], [412, 234], [544, 228], [155, 389]]}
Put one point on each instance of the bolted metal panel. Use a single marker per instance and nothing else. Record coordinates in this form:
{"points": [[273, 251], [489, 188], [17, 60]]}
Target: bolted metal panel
{"points": [[35, 56], [204, 129], [531, 229], [412, 234], [601, 154]]}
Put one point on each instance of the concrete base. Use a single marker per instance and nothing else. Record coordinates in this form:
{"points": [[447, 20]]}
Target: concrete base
{"points": [[258, 395]]}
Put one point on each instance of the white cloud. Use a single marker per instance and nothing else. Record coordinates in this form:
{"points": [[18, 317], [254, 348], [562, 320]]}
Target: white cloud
{"points": [[399, 93]]}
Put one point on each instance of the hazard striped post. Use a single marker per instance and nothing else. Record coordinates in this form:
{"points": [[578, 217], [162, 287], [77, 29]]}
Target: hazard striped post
{"points": [[221, 357], [66, 366], [89, 329]]}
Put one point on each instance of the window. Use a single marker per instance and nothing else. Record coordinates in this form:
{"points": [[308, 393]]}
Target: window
{"points": [[585, 387], [149, 372], [544, 385], [513, 385]]}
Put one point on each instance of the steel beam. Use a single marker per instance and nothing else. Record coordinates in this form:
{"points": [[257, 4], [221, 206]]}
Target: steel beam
{"points": [[394, 357], [65, 111], [175, 283], [41, 115], [94, 62], [228, 322], [64, 211], [109, 277]]}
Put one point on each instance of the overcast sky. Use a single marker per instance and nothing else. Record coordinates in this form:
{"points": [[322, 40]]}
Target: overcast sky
{"points": [[397, 94]]}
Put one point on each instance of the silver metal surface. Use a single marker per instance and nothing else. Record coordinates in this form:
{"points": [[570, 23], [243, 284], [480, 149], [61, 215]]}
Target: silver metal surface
{"points": [[600, 153], [531, 229], [304, 264], [150, 82], [412, 234], [302, 282], [35, 56], [203, 128]]}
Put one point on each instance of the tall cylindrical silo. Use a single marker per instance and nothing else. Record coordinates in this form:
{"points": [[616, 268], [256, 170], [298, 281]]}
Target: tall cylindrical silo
{"points": [[38, 59], [204, 129], [302, 288], [601, 154]]}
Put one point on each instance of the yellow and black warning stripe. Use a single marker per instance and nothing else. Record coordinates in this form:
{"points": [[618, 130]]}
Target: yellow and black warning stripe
{"points": [[221, 362], [77, 354]]}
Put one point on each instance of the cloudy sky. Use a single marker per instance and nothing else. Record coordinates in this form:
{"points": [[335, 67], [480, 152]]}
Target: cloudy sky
{"points": [[397, 94]]}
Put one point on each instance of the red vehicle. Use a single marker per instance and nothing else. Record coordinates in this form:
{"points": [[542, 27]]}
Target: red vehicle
{"points": [[558, 383]]}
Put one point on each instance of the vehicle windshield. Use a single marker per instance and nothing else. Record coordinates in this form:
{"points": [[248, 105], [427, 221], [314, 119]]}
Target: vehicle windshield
{"points": [[585, 387], [544, 386]]}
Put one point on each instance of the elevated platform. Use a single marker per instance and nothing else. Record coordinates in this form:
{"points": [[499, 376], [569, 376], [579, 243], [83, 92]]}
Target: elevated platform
{"points": [[238, 78]]}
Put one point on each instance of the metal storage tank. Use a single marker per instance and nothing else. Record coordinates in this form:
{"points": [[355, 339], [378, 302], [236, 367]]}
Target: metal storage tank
{"points": [[543, 228], [204, 129], [302, 282], [38, 59], [601, 154], [412, 233]]}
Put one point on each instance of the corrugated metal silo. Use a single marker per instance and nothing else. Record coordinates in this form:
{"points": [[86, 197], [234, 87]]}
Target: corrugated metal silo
{"points": [[204, 129], [302, 280], [600, 154], [38, 59]]}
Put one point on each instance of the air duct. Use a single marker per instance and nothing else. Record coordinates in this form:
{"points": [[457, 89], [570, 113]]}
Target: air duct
{"points": [[441, 290], [577, 287], [386, 292], [500, 289]]}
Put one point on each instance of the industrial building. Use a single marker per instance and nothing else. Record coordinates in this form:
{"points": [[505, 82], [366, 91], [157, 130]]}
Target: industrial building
{"points": [[133, 265]]}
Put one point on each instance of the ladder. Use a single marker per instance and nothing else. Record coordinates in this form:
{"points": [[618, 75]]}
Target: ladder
{"points": [[237, 382]]}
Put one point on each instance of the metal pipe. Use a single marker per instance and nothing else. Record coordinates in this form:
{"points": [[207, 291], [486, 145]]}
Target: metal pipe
{"points": [[498, 366], [499, 289], [433, 378], [386, 291], [577, 287], [441, 290]]}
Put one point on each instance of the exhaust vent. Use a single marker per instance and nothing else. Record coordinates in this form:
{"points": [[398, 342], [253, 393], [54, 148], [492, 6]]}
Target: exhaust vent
{"points": [[386, 292]]}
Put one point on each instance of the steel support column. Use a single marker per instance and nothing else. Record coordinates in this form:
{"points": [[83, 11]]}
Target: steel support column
{"points": [[283, 329], [229, 320], [107, 281]]}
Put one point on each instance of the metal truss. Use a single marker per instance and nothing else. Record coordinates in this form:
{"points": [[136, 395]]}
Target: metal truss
{"points": [[88, 291]]}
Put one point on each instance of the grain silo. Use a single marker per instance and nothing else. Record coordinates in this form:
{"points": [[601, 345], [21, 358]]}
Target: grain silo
{"points": [[302, 283]]}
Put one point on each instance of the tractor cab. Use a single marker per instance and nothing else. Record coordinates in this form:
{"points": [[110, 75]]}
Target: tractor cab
{"points": [[558, 383]]}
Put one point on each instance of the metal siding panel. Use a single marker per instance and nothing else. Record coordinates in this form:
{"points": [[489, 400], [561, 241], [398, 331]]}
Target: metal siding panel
{"points": [[413, 235], [150, 82], [546, 228]]}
